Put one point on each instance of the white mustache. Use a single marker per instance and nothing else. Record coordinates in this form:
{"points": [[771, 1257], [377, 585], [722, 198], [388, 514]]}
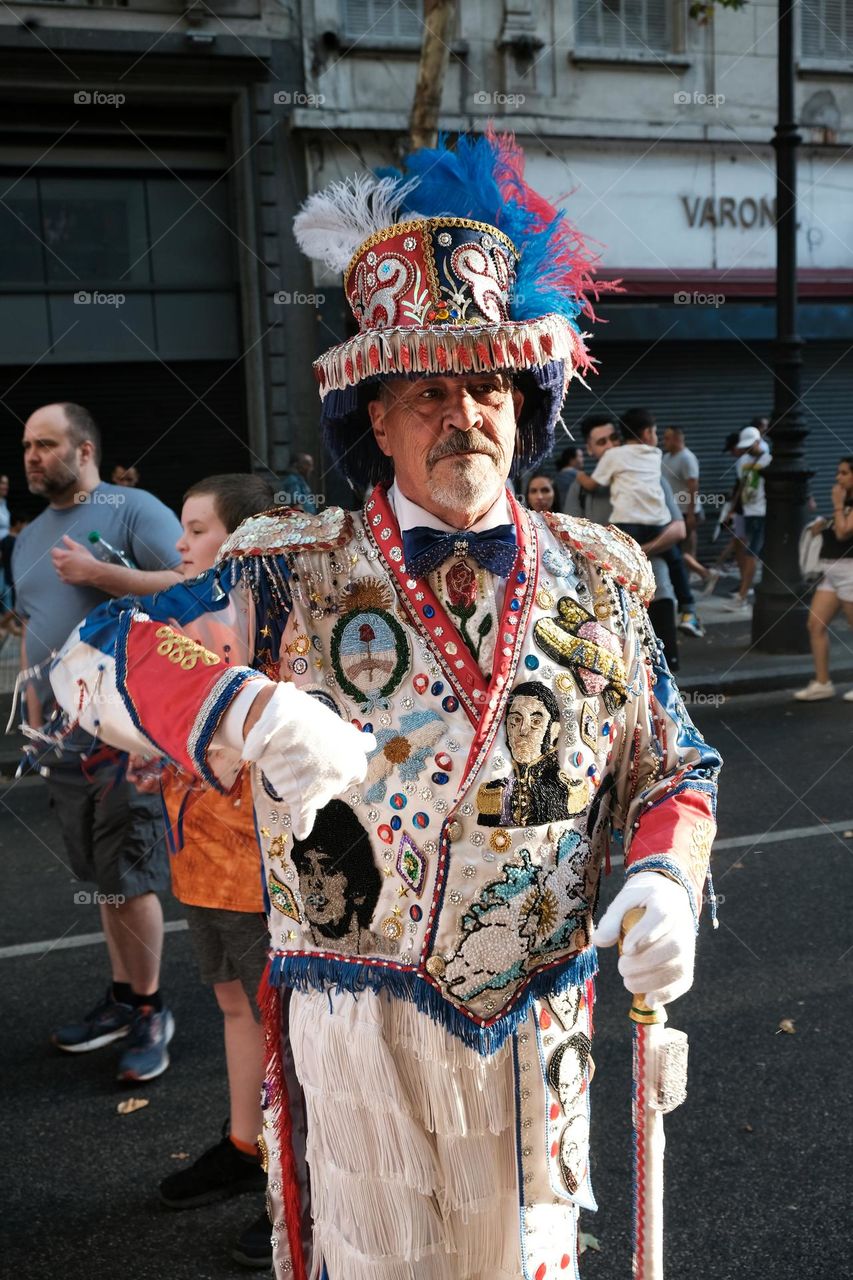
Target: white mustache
{"points": [[462, 442]]}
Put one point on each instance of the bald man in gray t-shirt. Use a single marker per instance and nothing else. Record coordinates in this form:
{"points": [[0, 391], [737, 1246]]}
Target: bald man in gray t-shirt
{"points": [[113, 835]]}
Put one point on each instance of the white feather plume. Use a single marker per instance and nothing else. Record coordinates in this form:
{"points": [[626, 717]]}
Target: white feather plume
{"points": [[332, 224]]}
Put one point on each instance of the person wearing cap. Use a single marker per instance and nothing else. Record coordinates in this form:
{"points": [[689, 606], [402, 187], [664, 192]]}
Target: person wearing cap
{"points": [[370, 662], [753, 456]]}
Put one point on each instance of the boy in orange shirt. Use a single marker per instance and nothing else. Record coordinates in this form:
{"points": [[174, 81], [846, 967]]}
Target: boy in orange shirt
{"points": [[216, 874]]}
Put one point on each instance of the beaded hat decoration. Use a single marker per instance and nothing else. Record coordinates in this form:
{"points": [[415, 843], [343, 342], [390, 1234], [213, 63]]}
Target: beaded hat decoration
{"points": [[452, 266]]}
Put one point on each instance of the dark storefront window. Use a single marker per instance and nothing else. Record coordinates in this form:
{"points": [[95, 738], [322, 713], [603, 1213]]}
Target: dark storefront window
{"points": [[117, 268]]}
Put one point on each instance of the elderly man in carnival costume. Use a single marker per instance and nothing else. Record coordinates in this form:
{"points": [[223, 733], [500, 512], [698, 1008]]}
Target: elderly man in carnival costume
{"points": [[439, 941]]}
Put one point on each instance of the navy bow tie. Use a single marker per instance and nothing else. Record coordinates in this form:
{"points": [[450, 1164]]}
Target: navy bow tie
{"points": [[425, 549]]}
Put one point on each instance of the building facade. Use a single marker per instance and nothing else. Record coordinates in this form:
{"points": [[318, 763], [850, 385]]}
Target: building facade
{"points": [[149, 177], [153, 154], [655, 132]]}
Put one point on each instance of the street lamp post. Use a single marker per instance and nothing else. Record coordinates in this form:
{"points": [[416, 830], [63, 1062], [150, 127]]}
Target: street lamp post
{"points": [[781, 611]]}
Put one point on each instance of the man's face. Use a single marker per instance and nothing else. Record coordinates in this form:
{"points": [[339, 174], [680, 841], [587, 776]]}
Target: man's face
{"points": [[671, 440], [527, 729], [51, 462], [602, 438], [451, 440], [325, 892], [4, 486]]}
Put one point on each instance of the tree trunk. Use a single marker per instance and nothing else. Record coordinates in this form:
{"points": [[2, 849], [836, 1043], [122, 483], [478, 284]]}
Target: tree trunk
{"points": [[435, 51]]}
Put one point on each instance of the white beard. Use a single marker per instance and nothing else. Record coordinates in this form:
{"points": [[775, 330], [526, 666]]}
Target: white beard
{"points": [[466, 483]]}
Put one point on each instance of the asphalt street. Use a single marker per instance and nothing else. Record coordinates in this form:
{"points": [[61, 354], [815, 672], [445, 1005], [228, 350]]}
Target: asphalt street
{"points": [[757, 1158]]}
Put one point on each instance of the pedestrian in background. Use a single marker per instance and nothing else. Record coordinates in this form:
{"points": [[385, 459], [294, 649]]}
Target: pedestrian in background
{"points": [[753, 457], [835, 589], [681, 468], [5, 518], [9, 622], [600, 434], [540, 494], [216, 874], [569, 463], [113, 836], [126, 476], [633, 472], [730, 522], [5, 526], [295, 488]]}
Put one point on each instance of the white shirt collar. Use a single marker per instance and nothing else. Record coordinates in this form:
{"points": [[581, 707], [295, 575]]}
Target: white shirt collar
{"points": [[410, 515]]}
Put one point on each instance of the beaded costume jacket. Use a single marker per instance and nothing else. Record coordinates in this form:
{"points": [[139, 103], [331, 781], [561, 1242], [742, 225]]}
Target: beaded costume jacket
{"points": [[462, 874]]}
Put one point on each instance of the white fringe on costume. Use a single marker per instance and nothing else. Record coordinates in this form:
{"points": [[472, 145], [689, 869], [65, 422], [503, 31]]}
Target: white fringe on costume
{"points": [[411, 1144]]}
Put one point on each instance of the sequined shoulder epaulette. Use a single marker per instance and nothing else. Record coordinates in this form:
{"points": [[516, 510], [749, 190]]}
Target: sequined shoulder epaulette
{"points": [[285, 529], [609, 549]]}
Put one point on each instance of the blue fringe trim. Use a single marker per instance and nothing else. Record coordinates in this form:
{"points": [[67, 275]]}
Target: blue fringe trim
{"points": [[174, 835], [198, 750], [662, 863], [712, 900], [522, 1203], [334, 974]]}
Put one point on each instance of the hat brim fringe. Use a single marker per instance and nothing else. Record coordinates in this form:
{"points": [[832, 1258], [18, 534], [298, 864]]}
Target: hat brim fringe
{"points": [[515, 346]]}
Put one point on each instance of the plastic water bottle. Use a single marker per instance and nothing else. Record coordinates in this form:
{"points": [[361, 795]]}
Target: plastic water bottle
{"points": [[113, 554]]}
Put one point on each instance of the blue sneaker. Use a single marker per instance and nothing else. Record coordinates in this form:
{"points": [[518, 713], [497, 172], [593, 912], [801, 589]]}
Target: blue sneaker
{"points": [[108, 1021], [147, 1052]]}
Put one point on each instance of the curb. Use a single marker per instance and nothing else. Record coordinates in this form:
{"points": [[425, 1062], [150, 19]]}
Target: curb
{"points": [[733, 685]]}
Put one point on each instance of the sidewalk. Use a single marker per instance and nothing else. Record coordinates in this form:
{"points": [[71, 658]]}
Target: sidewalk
{"points": [[724, 661]]}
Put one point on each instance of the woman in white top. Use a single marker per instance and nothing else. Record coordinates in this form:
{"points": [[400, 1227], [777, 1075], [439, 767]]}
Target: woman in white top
{"points": [[835, 589]]}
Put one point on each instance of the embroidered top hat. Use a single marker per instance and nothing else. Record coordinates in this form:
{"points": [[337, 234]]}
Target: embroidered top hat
{"points": [[452, 266]]}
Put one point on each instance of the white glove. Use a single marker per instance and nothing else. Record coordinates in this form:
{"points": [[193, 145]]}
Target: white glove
{"points": [[308, 754], [658, 951]]}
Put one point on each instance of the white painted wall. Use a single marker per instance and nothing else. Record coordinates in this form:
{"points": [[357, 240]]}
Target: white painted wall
{"points": [[631, 141]]}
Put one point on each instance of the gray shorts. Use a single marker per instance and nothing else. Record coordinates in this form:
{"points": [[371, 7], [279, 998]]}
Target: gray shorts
{"points": [[229, 945], [113, 836]]}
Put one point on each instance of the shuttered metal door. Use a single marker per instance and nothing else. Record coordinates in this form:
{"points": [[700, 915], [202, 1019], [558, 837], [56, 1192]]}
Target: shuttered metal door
{"points": [[712, 389]]}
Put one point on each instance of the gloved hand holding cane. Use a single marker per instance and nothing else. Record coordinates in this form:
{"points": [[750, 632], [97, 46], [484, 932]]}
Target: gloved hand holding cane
{"points": [[651, 919]]}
